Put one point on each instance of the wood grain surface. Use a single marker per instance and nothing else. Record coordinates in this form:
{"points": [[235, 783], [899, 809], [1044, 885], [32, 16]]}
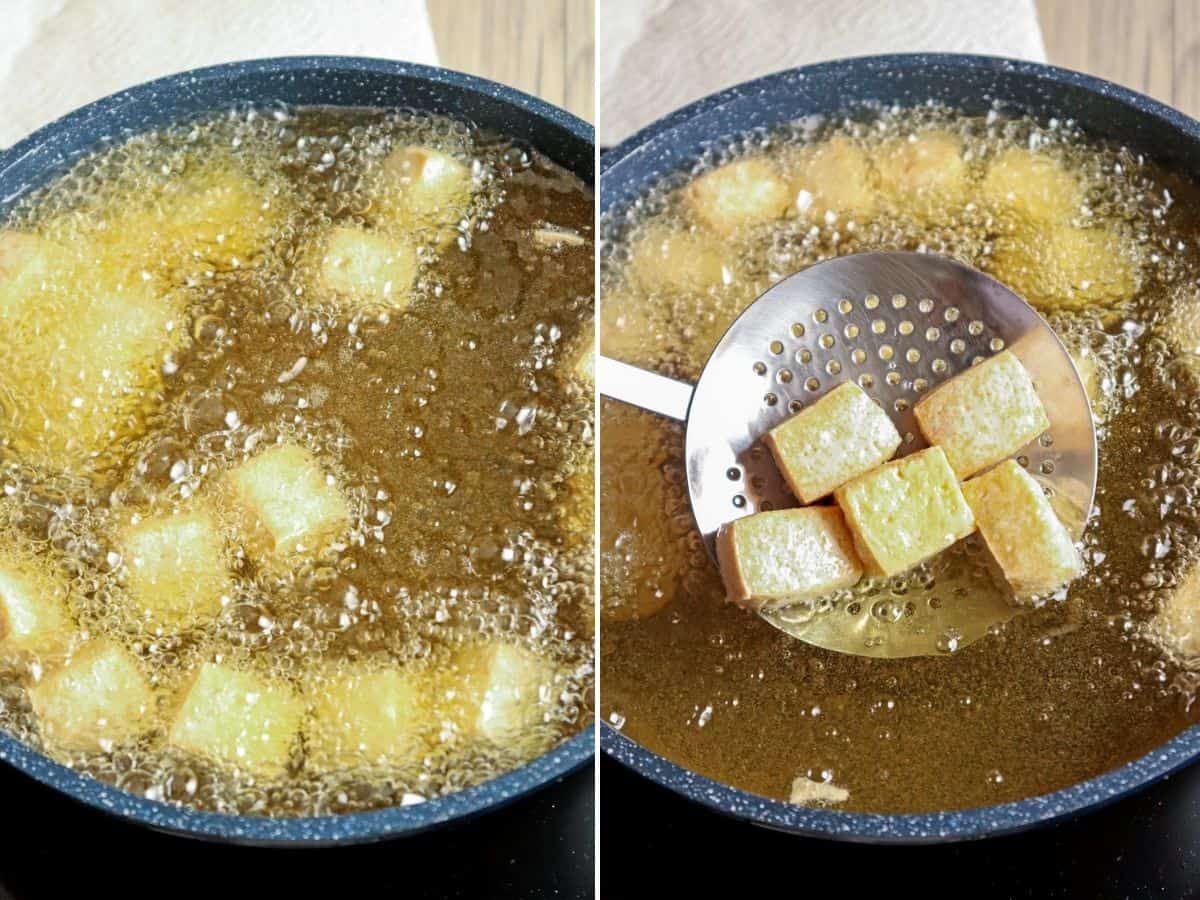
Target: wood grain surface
{"points": [[542, 47], [1152, 46]]}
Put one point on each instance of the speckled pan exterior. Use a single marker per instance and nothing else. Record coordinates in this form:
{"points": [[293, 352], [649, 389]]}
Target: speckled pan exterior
{"points": [[339, 81], [974, 84]]}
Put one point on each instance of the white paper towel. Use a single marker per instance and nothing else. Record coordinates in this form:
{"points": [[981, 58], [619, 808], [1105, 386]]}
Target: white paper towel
{"points": [[655, 56], [57, 55]]}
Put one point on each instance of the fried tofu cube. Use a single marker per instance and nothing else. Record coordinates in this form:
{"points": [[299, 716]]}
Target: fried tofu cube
{"points": [[84, 355], [1032, 186], [239, 719], [290, 505], [27, 262], [808, 792], [1178, 621], [839, 437], [626, 332], [176, 571], [585, 360], [924, 174], [369, 267], [1181, 326], [576, 510], [369, 718], [905, 512], [579, 498], [99, 699], [1021, 529], [982, 414], [426, 189], [834, 176], [787, 556], [499, 692], [740, 193], [35, 621], [665, 261], [216, 217], [1063, 267], [222, 217]]}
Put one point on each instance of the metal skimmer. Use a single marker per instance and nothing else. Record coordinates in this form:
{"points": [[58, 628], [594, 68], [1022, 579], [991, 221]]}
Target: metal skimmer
{"points": [[898, 324]]}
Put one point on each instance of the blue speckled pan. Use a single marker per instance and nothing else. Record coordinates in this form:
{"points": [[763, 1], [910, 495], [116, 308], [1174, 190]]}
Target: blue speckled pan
{"points": [[974, 84], [338, 81]]}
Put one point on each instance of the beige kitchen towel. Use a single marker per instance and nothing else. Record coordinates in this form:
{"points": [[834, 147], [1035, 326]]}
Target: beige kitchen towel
{"points": [[655, 56], [57, 55]]}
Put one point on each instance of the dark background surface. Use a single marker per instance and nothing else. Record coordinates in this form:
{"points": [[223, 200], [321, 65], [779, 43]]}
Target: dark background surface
{"points": [[542, 846], [656, 844]]}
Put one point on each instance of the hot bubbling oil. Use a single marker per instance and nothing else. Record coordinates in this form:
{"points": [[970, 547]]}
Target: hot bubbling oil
{"points": [[1056, 696], [453, 427]]}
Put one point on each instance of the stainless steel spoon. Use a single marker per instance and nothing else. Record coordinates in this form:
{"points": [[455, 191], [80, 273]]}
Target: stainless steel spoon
{"points": [[898, 324]]}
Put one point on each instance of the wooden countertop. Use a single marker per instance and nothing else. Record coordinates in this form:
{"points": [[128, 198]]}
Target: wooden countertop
{"points": [[542, 47], [1152, 46]]}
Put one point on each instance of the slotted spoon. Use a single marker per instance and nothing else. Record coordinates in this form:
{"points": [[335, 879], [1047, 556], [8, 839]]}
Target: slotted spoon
{"points": [[898, 324]]}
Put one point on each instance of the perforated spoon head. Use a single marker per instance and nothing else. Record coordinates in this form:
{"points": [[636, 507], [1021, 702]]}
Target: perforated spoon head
{"points": [[897, 324]]}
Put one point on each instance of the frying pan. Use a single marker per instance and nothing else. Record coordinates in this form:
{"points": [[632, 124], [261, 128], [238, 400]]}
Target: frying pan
{"points": [[975, 85], [298, 81]]}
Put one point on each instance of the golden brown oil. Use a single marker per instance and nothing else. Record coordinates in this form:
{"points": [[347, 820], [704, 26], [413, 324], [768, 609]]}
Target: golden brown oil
{"points": [[1058, 695], [454, 427]]}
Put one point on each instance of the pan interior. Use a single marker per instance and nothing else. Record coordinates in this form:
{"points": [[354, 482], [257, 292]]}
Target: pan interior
{"points": [[1089, 681], [463, 516]]}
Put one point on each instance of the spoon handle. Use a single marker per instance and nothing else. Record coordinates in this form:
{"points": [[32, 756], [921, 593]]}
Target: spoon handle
{"points": [[643, 389]]}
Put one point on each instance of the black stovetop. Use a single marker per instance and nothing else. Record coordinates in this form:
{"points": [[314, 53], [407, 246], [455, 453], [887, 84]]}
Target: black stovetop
{"points": [[542, 846], [656, 844]]}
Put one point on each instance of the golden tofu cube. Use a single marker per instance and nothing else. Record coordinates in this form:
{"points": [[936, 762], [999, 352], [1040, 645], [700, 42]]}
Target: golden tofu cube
{"points": [[290, 505], [666, 261], [84, 356], [983, 414], [1031, 186], [808, 792], [369, 718], [239, 719], [839, 437], [425, 189], [215, 217], [369, 267], [1180, 326], [99, 699], [1063, 267], [834, 177], [499, 692], [626, 329], [222, 217], [27, 262], [35, 621], [905, 512], [787, 556], [585, 359], [579, 496], [1019, 526], [1178, 620], [924, 174], [740, 193], [176, 570]]}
